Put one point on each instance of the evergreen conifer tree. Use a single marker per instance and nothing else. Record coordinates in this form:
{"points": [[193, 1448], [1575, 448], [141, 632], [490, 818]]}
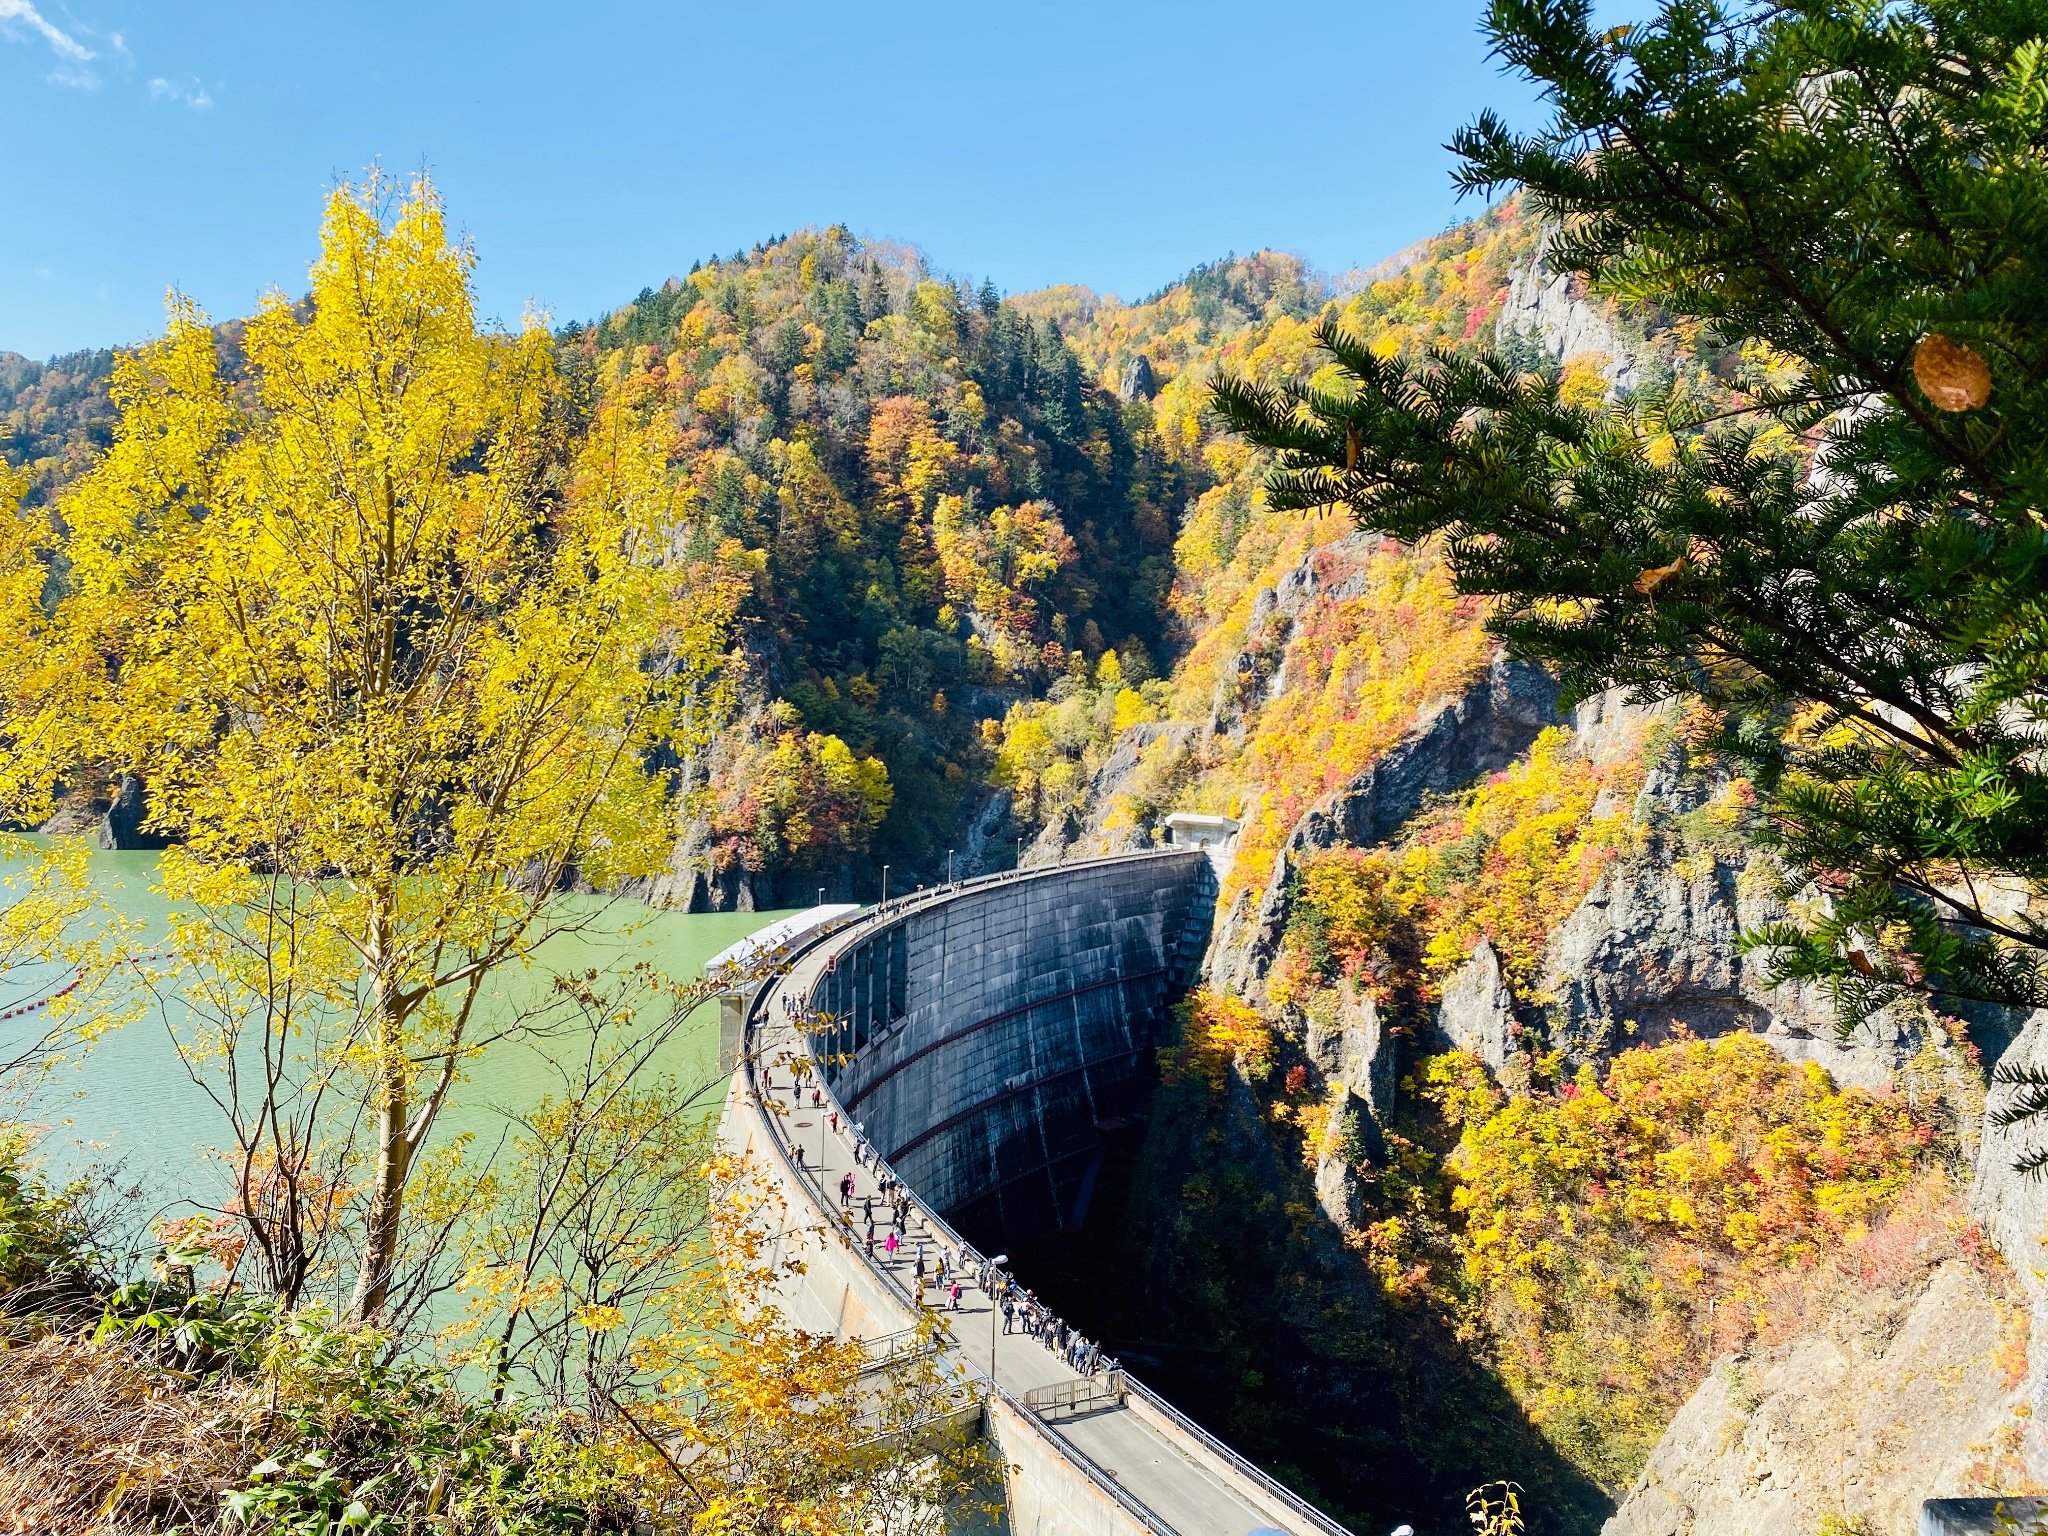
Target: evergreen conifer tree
{"points": [[1846, 558], [874, 296]]}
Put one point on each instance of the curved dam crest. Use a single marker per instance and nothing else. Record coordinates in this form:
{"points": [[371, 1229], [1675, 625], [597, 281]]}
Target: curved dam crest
{"points": [[983, 1036], [982, 1039]]}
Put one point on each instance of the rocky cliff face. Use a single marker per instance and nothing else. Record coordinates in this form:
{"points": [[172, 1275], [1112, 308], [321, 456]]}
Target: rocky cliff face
{"points": [[1914, 1391], [1550, 311], [1913, 1387], [1477, 1013], [1108, 823], [1453, 742], [2012, 1205], [114, 822], [1652, 950]]}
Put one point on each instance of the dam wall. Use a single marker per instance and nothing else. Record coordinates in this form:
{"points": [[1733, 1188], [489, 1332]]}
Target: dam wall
{"points": [[984, 1038], [984, 1043]]}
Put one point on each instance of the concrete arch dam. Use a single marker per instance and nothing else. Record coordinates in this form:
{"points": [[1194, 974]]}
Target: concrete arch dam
{"points": [[981, 1036]]}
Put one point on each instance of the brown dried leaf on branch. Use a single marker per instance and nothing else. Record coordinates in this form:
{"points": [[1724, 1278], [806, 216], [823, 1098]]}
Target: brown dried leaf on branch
{"points": [[1647, 582], [1953, 376]]}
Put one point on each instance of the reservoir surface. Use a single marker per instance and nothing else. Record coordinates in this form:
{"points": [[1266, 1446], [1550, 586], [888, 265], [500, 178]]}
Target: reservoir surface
{"points": [[130, 1101]]}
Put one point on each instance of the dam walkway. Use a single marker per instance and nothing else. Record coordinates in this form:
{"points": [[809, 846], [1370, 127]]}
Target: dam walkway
{"points": [[988, 967]]}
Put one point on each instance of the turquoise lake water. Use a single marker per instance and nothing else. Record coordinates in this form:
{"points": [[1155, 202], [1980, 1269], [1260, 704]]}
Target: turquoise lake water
{"points": [[130, 1101]]}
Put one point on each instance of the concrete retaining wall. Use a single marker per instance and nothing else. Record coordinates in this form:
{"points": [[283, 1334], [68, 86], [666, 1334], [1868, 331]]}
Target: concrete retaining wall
{"points": [[983, 1043], [835, 1291], [1049, 1495]]}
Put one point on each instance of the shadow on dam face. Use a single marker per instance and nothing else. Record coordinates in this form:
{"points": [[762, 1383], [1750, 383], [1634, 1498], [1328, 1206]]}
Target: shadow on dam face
{"points": [[989, 1044], [996, 1046]]}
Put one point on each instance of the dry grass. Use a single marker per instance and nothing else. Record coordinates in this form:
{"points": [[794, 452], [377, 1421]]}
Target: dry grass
{"points": [[94, 1439]]}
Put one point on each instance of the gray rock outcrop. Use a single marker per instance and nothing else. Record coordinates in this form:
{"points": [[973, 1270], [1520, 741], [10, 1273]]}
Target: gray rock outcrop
{"points": [[123, 824], [1135, 382], [1345, 1139], [1157, 745], [1256, 672], [1906, 1397], [1607, 727], [1653, 945], [1453, 742], [74, 817], [1547, 309], [986, 844], [1478, 1008], [1646, 950], [2012, 1206], [116, 823], [1352, 1051]]}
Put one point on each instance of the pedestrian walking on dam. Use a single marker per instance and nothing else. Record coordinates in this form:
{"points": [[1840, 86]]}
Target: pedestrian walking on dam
{"points": [[953, 1295], [891, 1245], [846, 1190], [1009, 1315]]}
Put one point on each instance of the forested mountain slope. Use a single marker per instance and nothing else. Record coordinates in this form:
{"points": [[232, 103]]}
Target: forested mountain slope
{"points": [[1484, 1140], [54, 416], [943, 509]]}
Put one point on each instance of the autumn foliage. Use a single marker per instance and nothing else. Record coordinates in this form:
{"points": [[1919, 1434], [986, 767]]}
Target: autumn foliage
{"points": [[1624, 1227]]}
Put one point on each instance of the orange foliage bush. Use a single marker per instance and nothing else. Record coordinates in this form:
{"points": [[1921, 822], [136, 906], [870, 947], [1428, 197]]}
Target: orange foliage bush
{"points": [[1619, 1229], [1509, 860], [1353, 679], [796, 796]]}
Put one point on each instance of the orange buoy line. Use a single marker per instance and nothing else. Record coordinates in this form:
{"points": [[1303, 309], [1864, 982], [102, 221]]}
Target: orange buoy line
{"points": [[23, 1009]]}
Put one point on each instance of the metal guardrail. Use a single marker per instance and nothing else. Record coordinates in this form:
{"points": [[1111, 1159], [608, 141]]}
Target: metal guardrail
{"points": [[1086, 1465], [1272, 1486], [1082, 1396], [881, 916]]}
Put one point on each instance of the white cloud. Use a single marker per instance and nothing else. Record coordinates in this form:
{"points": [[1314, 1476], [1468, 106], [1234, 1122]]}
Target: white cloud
{"points": [[19, 13], [74, 59], [192, 95], [79, 52]]}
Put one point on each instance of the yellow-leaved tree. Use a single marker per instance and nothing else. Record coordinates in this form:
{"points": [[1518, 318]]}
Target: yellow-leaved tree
{"points": [[401, 657], [59, 945]]}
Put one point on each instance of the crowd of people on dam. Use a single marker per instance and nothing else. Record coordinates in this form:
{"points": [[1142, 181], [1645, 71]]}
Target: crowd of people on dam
{"points": [[886, 1222]]}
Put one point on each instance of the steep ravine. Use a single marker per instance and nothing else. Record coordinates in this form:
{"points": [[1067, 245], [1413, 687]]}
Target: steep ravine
{"points": [[1234, 1272]]}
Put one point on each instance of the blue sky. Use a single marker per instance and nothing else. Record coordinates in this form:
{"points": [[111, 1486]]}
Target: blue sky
{"points": [[590, 149]]}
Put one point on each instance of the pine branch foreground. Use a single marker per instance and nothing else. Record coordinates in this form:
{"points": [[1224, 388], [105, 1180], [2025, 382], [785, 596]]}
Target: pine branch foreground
{"points": [[1848, 564]]}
